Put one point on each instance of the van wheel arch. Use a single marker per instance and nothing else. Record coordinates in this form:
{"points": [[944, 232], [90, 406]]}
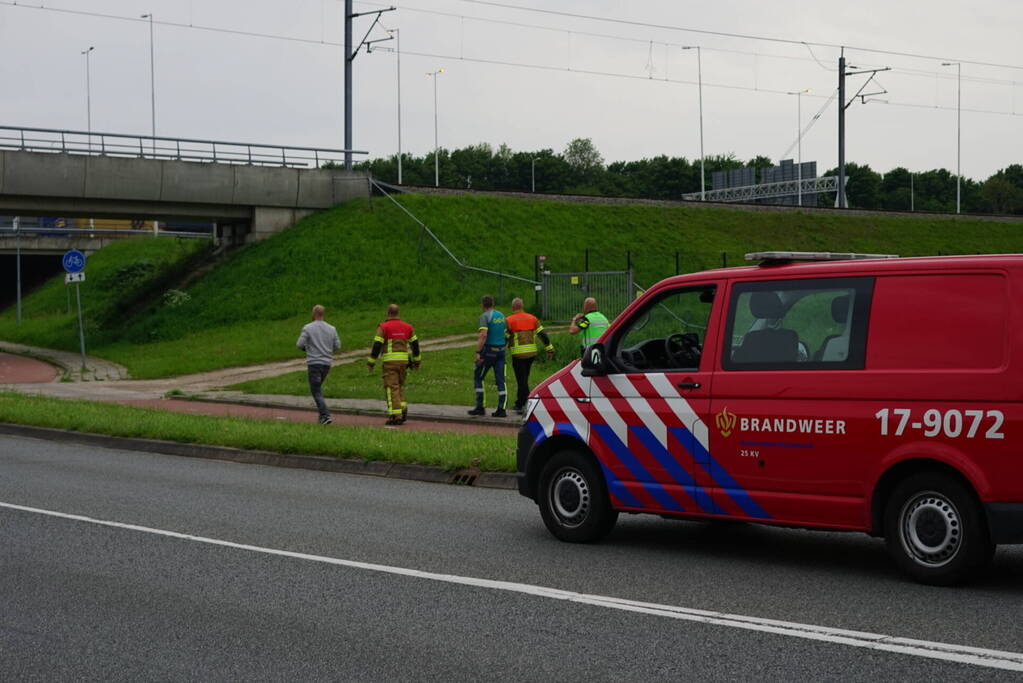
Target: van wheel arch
{"points": [[547, 450], [899, 472]]}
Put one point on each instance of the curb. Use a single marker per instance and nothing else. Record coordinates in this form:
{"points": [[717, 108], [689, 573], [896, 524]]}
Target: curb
{"points": [[322, 463], [510, 423]]}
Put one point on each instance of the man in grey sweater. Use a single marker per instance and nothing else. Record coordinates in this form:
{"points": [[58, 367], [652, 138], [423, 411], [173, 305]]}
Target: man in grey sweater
{"points": [[320, 342]]}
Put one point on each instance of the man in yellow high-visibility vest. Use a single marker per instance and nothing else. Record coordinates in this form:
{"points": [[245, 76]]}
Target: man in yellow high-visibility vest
{"points": [[590, 322]]}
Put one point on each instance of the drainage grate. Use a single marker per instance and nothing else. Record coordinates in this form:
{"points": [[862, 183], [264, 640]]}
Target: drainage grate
{"points": [[465, 477]]}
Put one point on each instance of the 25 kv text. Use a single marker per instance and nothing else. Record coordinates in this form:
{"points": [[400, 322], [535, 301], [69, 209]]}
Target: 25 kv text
{"points": [[968, 424]]}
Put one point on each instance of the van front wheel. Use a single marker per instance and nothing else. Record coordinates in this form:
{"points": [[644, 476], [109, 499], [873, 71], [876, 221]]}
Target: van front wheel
{"points": [[935, 529], [573, 499]]}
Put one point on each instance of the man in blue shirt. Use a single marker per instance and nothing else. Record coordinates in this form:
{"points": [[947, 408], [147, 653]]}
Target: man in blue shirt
{"points": [[490, 354]]}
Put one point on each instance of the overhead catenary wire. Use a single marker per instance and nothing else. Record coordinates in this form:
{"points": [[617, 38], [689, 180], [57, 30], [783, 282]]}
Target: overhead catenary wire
{"points": [[667, 44], [380, 186], [639, 77], [813, 120], [569, 68], [728, 34], [322, 41]]}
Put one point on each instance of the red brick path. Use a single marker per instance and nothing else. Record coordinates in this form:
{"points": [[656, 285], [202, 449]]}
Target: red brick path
{"points": [[23, 370]]}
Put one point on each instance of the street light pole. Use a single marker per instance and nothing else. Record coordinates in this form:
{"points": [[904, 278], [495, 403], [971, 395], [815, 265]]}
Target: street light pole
{"points": [[959, 128], [88, 95], [799, 143], [152, 79], [397, 45], [436, 144], [699, 81]]}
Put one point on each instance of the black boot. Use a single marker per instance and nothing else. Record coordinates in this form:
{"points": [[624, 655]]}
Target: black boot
{"points": [[478, 410]]}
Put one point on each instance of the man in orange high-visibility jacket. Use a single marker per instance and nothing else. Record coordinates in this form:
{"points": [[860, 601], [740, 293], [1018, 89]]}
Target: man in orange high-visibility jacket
{"points": [[523, 331], [397, 345]]}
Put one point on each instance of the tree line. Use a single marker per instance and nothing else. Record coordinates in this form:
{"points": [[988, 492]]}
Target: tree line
{"points": [[580, 169]]}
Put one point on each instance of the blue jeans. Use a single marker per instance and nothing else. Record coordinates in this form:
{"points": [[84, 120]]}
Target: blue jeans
{"points": [[491, 359]]}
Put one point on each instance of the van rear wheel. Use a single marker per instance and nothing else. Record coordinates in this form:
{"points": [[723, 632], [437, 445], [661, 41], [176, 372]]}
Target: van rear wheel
{"points": [[935, 529], [573, 499]]}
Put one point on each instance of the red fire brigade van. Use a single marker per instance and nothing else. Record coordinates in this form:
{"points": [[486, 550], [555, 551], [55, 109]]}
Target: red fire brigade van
{"points": [[829, 391]]}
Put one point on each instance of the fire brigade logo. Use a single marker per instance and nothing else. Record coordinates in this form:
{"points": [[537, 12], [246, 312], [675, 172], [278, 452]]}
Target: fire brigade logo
{"points": [[725, 422]]}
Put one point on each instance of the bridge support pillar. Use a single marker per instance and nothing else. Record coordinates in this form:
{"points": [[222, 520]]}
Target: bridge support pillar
{"points": [[268, 220]]}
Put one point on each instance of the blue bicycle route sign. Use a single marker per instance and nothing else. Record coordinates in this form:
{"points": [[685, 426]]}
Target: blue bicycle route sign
{"points": [[74, 261]]}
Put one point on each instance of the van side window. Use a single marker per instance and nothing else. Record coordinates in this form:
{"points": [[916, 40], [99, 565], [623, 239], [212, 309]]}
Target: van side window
{"points": [[668, 334], [798, 324]]}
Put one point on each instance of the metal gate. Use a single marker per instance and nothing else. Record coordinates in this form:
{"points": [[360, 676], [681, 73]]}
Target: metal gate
{"points": [[563, 293]]}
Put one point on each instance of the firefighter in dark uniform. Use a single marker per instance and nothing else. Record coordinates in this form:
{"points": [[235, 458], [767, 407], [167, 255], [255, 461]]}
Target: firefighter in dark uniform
{"points": [[397, 345]]}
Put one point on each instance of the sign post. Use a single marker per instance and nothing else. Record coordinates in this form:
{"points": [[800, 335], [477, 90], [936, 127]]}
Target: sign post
{"points": [[17, 247], [74, 265]]}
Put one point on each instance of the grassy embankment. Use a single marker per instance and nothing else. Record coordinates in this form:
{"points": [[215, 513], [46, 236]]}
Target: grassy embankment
{"points": [[358, 257], [449, 450], [445, 378]]}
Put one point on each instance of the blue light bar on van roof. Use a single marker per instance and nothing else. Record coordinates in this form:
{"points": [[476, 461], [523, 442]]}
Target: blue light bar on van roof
{"points": [[784, 256]]}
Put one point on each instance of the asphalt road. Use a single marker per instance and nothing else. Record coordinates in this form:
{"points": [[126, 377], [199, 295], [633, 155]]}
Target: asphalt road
{"points": [[85, 600]]}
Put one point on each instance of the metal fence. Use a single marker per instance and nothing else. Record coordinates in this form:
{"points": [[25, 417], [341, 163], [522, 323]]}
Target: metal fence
{"points": [[563, 293], [179, 149]]}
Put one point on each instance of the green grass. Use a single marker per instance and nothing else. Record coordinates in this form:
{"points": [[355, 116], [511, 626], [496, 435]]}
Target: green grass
{"points": [[247, 342], [359, 256], [448, 450], [119, 278], [445, 378]]}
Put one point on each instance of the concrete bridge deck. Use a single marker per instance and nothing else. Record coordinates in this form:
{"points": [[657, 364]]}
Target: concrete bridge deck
{"points": [[253, 199]]}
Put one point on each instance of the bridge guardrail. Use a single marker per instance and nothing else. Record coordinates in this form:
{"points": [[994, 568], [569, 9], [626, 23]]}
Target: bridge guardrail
{"points": [[157, 147], [101, 232]]}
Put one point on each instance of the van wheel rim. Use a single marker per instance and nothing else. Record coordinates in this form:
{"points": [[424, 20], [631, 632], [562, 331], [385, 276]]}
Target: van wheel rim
{"points": [[931, 529], [570, 497]]}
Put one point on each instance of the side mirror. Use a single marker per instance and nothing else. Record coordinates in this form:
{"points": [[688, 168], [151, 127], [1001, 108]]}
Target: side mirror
{"points": [[594, 361]]}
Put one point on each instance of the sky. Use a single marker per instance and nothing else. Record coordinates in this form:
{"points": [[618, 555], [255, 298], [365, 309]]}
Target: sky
{"points": [[535, 80]]}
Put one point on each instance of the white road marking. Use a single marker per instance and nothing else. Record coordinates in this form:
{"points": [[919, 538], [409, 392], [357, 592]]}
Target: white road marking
{"points": [[961, 654]]}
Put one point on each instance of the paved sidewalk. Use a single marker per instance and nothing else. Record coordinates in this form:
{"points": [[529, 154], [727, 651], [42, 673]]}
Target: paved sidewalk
{"points": [[96, 369], [307, 414], [206, 386]]}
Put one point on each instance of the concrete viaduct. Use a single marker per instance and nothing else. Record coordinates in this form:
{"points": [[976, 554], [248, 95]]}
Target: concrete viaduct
{"points": [[247, 201]]}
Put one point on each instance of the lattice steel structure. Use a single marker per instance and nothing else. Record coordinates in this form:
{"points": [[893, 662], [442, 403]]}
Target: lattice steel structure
{"points": [[788, 188]]}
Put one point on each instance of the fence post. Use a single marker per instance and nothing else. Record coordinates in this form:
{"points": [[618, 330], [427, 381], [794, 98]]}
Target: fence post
{"points": [[677, 270], [628, 260], [586, 261], [536, 276]]}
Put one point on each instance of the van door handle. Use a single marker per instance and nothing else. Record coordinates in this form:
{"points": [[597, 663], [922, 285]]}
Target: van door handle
{"points": [[581, 399], [688, 385]]}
